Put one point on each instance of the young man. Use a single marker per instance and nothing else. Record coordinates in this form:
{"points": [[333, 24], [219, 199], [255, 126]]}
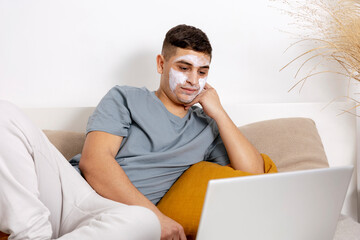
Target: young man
{"points": [[139, 142]]}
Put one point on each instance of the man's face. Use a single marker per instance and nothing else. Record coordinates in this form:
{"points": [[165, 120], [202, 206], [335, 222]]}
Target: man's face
{"points": [[184, 75]]}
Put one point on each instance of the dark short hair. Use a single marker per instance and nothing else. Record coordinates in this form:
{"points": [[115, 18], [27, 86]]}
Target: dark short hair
{"points": [[186, 37]]}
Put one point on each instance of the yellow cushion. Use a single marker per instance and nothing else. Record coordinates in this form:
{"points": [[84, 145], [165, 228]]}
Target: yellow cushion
{"points": [[3, 236], [185, 199]]}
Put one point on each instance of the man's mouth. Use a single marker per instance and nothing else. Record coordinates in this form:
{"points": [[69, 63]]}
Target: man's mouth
{"points": [[189, 91]]}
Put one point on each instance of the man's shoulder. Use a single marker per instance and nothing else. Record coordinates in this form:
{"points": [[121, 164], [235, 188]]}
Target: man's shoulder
{"points": [[124, 96], [126, 90], [128, 93]]}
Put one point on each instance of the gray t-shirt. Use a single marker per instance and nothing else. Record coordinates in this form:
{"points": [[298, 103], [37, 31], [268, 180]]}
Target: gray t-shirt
{"points": [[157, 146]]}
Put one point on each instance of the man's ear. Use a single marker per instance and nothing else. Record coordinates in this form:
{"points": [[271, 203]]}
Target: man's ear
{"points": [[160, 63]]}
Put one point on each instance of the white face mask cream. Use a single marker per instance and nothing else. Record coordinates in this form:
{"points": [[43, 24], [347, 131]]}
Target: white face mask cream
{"points": [[202, 82], [177, 77], [194, 60]]}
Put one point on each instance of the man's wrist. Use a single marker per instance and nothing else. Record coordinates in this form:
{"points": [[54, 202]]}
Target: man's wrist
{"points": [[220, 116]]}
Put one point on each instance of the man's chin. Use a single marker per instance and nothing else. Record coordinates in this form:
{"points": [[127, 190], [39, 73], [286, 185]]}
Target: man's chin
{"points": [[185, 100]]}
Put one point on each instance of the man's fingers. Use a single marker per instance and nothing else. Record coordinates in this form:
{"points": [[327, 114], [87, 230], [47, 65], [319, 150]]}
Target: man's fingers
{"points": [[197, 98], [207, 86], [177, 235], [182, 235]]}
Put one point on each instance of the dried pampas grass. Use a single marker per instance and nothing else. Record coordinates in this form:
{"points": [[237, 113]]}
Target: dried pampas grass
{"points": [[333, 28]]}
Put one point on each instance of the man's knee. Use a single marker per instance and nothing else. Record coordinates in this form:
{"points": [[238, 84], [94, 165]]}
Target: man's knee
{"points": [[146, 217], [140, 218]]}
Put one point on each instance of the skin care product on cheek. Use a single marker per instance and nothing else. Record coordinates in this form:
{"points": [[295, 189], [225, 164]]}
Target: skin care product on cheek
{"points": [[202, 82], [175, 78]]}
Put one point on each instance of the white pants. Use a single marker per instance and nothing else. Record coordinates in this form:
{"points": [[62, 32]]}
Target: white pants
{"points": [[43, 197]]}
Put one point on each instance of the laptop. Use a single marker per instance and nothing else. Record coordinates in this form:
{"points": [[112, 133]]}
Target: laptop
{"points": [[301, 205]]}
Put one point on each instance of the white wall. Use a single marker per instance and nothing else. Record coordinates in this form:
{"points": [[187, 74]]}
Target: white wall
{"points": [[61, 53]]}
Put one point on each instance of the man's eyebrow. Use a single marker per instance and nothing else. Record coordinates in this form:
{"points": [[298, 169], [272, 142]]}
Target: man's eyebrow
{"points": [[184, 62], [189, 64], [205, 67]]}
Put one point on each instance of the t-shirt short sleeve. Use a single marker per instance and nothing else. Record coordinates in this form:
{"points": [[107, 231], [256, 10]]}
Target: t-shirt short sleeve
{"points": [[112, 114], [216, 153]]}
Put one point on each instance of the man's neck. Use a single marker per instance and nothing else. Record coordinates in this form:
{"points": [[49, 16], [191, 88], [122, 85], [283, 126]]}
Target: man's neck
{"points": [[172, 107]]}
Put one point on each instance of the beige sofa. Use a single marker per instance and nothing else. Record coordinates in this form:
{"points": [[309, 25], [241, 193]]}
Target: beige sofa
{"points": [[292, 143], [301, 148]]}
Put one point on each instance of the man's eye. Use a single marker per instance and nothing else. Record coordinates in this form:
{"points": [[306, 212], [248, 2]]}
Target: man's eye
{"points": [[202, 73], [183, 68]]}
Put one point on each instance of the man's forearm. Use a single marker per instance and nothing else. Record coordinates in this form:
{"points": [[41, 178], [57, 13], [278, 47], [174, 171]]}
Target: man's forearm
{"points": [[242, 154], [110, 181]]}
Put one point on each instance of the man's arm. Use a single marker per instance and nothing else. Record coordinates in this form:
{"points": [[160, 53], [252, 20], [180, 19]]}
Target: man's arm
{"points": [[108, 179], [242, 154]]}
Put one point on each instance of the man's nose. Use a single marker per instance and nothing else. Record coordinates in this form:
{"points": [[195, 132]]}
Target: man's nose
{"points": [[193, 78]]}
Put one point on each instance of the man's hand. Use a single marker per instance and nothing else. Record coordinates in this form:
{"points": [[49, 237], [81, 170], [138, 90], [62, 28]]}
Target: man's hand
{"points": [[170, 229], [242, 154], [209, 100]]}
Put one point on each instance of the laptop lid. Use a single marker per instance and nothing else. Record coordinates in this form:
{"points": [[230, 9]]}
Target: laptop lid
{"points": [[282, 206]]}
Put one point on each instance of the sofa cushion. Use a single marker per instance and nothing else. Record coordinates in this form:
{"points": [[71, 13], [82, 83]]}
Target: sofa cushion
{"points": [[3, 236], [68, 143], [292, 143]]}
